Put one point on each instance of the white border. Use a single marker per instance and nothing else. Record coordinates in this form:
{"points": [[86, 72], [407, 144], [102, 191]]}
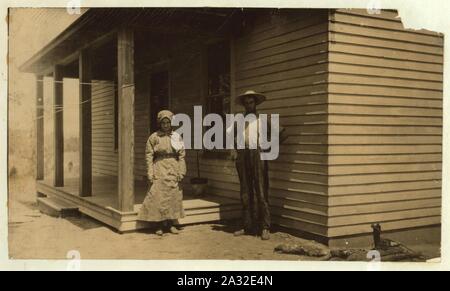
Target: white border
{"points": [[417, 14]]}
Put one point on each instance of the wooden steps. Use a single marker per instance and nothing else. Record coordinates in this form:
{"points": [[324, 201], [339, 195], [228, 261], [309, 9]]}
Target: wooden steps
{"points": [[101, 206], [210, 209], [56, 207]]}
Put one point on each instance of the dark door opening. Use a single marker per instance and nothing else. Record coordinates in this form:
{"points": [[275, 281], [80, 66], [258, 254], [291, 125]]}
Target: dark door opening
{"points": [[159, 96]]}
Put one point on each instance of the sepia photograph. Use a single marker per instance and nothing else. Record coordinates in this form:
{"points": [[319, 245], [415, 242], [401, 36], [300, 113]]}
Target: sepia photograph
{"points": [[223, 133]]}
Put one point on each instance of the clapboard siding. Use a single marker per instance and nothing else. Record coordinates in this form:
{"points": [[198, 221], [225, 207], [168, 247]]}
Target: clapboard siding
{"points": [[141, 125], [287, 61], [104, 156], [385, 124]]}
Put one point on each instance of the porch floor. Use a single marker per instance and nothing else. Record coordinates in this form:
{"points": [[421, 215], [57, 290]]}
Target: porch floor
{"points": [[103, 204]]}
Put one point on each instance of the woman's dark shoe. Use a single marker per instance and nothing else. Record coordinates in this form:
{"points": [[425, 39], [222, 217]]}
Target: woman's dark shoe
{"points": [[265, 235]]}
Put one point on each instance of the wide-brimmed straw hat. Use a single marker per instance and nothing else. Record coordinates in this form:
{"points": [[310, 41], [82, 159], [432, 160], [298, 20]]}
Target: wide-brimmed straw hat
{"points": [[259, 98], [164, 114]]}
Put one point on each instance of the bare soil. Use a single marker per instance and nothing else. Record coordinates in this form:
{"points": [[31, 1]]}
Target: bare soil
{"points": [[33, 235]]}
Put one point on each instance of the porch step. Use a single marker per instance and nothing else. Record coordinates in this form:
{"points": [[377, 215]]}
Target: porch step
{"points": [[210, 209], [57, 207]]}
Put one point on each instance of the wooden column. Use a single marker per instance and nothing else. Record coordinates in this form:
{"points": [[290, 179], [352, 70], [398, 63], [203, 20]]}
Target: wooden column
{"points": [[58, 126], [85, 151], [126, 119], [39, 127]]}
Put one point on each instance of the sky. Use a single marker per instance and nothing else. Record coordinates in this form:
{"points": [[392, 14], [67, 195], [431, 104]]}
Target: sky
{"points": [[30, 29]]}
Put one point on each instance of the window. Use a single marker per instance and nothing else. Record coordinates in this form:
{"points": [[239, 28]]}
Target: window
{"points": [[218, 92], [159, 96]]}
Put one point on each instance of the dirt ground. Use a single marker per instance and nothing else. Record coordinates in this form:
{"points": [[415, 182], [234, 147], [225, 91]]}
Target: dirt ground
{"points": [[33, 235]]}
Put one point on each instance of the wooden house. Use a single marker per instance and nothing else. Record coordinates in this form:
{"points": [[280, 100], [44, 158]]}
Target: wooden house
{"points": [[360, 95]]}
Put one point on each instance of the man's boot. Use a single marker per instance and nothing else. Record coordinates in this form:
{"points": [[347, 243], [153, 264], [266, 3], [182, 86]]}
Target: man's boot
{"points": [[265, 235]]}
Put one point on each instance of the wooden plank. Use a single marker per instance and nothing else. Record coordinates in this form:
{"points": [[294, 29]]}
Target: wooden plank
{"points": [[281, 25], [314, 69], [354, 69], [356, 89], [387, 226], [320, 38], [211, 217], [430, 70], [403, 36], [284, 220], [314, 200], [317, 27], [295, 82], [374, 120], [272, 103], [383, 187], [384, 130], [385, 110], [373, 22], [311, 169], [311, 90], [280, 59], [40, 128], [394, 45], [382, 217], [292, 111], [398, 196], [304, 149], [85, 128], [109, 164], [416, 139], [103, 171], [301, 206], [305, 62], [298, 160], [307, 128], [384, 207], [348, 78], [298, 213], [58, 127], [384, 168], [126, 118], [384, 53], [316, 119], [388, 159], [358, 179], [383, 149]]}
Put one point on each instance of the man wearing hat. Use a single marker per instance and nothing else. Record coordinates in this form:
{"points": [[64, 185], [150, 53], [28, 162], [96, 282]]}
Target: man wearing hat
{"points": [[254, 176]]}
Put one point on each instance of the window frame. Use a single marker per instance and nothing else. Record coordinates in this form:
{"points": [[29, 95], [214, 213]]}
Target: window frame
{"points": [[221, 154]]}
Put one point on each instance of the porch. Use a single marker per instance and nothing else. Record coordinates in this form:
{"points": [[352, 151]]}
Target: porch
{"points": [[124, 80], [103, 205]]}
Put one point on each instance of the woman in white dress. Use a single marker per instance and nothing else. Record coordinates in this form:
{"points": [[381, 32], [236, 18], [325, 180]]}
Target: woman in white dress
{"points": [[165, 155]]}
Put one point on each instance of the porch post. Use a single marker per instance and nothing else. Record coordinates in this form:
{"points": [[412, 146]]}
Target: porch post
{"points": [[85, 151], [58, 126], [126, 88], [39, 127]]}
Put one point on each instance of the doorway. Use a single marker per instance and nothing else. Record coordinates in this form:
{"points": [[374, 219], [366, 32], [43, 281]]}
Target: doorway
{"points": [[159, 96]]}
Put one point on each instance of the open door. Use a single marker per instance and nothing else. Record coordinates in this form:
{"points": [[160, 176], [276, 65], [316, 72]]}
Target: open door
{"points": [[159, 96]]}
